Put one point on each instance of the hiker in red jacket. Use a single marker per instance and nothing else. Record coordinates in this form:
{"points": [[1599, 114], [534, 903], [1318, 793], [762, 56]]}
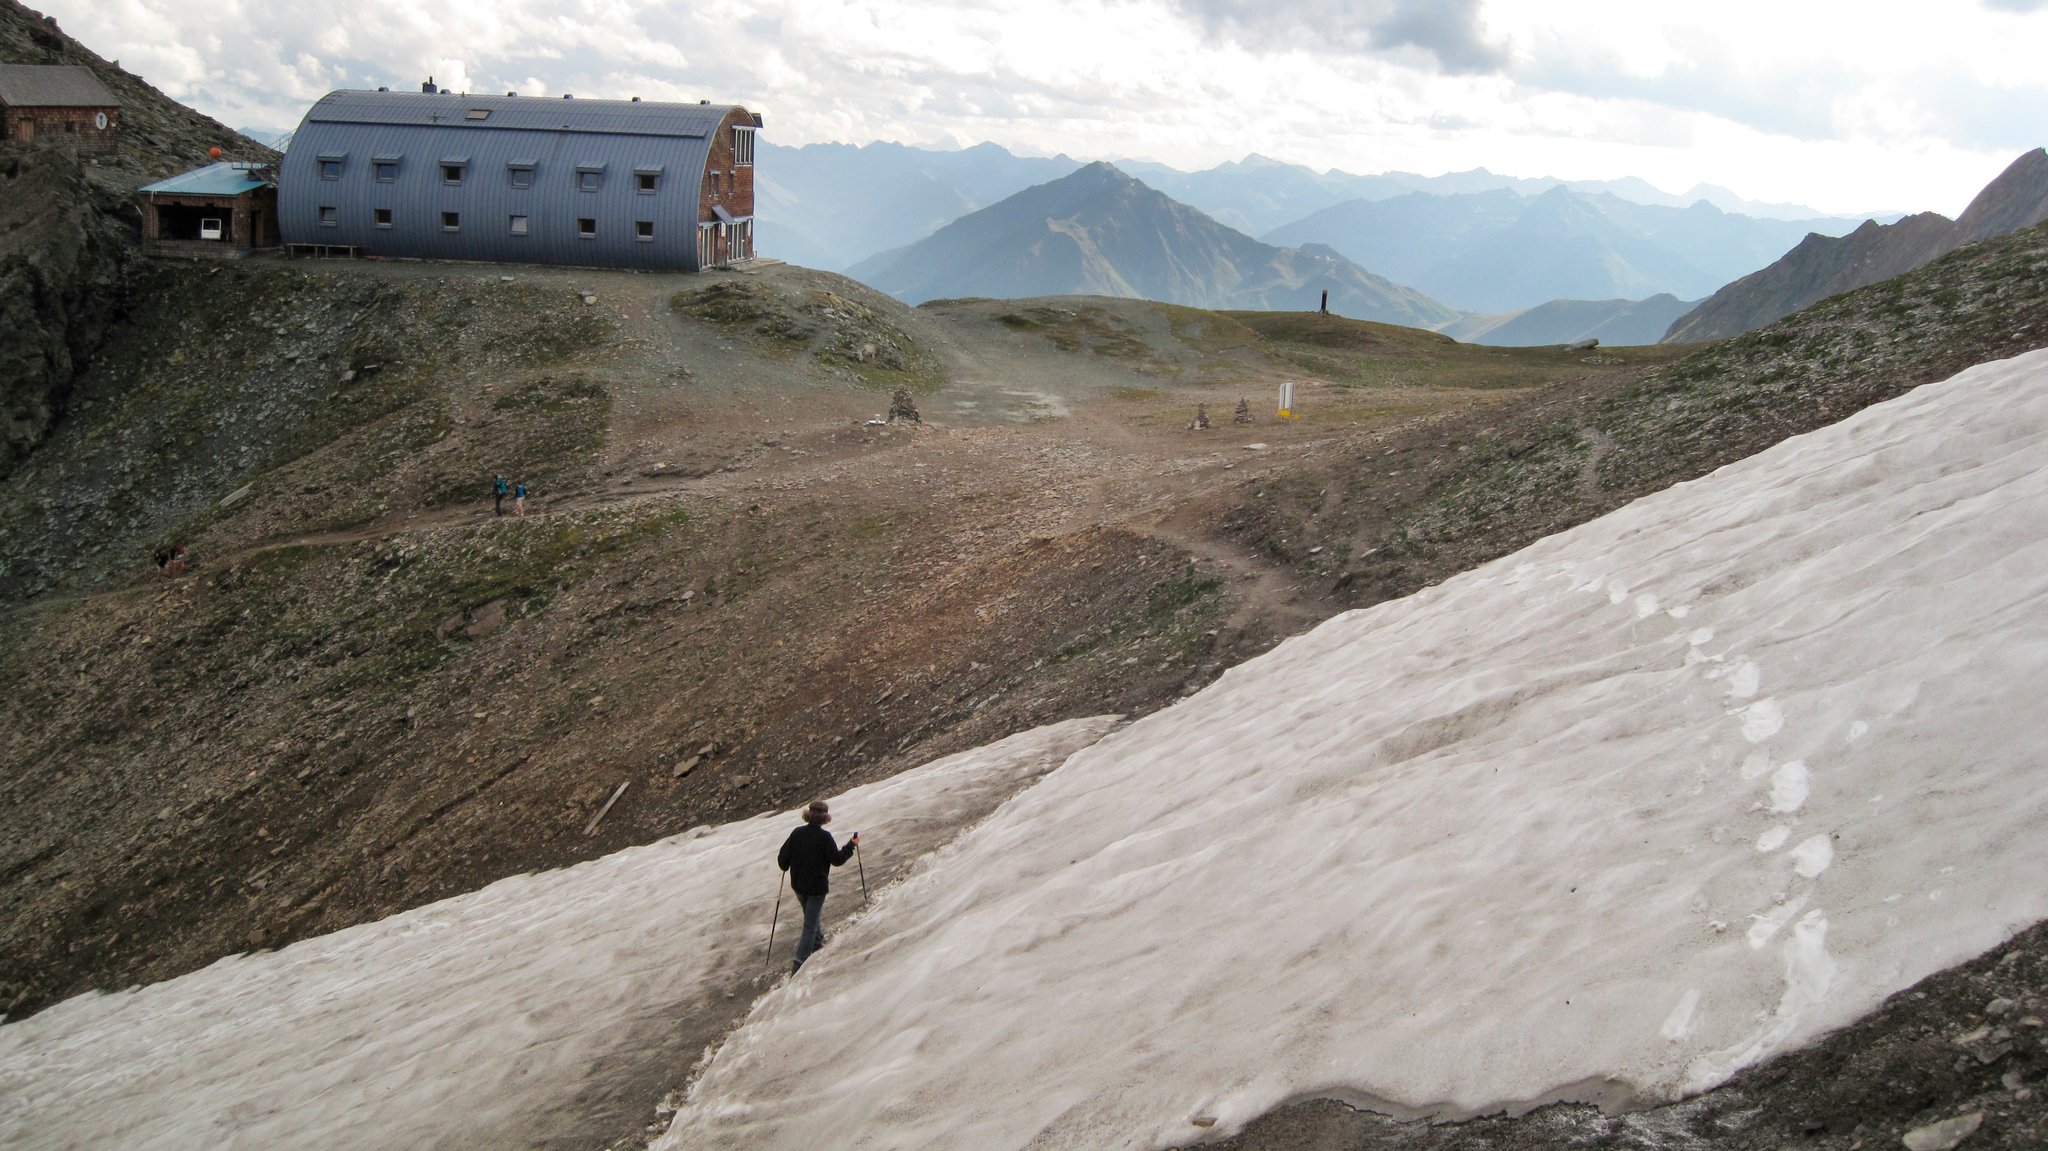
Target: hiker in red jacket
{"points": [[809, 855]]}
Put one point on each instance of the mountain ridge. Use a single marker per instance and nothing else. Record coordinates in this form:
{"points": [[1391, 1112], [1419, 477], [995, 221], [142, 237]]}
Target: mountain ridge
{"points": [[1821, 266], [1099, 231]]}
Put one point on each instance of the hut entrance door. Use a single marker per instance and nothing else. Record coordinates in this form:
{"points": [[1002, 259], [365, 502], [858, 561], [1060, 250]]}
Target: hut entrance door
{"points": [[26, 129]]}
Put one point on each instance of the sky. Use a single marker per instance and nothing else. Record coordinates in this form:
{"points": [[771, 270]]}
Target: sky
{"points": [[1843, 105]]}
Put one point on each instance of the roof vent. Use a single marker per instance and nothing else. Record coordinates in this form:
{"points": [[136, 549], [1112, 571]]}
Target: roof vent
{"points": [[511, 93], [568, 95], [636, 99], [428, 87], [704, 101], [384, 88]]}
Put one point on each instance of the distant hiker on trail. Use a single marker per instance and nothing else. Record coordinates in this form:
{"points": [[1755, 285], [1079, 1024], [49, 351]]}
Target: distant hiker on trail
{"points": [[808, 855], [497, 495], [519, 498]]}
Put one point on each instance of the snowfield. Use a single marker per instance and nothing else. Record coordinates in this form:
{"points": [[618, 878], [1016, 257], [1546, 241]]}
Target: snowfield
{"points": [[477, 1021], [1609, 819]]}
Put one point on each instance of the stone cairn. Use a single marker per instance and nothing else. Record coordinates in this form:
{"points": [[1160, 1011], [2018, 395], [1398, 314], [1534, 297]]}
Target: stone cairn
{"points": [[1243, 415], [902, 407], [1201, 420]]}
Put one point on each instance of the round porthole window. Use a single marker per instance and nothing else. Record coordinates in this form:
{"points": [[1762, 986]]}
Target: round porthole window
{"points": [[100, 121]]}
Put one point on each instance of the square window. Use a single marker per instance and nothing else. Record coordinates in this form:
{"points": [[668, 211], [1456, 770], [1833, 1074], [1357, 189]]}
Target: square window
{"points": [[519, 225], [644, 229], [589, 181], [522, 177], [330, 169], [647, 181], [385, 171], [451, 173], [477, 114], [451, 221], [586, 227], [329, 217], [381, 217]]}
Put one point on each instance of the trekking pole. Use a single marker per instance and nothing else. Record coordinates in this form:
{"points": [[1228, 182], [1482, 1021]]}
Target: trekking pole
{"points": [[863, 874], [770, 956]]}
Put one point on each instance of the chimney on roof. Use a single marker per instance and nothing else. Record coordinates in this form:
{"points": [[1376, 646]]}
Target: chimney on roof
{"points": [[428, 87]]}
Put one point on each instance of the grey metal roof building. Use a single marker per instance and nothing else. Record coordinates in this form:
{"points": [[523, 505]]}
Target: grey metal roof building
{"points": [[610, 183]]}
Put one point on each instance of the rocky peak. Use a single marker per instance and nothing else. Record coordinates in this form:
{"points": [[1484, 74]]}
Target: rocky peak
{"points": [[2017, 199]]}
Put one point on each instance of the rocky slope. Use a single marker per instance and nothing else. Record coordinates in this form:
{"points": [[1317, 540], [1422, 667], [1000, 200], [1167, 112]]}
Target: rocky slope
{"points": [[1099, 232], [68, 228], [1823, 266], [1386, 515], [732, 591]]}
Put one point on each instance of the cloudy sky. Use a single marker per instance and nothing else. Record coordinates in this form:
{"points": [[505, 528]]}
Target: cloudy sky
{"points": [[1846, 105]]}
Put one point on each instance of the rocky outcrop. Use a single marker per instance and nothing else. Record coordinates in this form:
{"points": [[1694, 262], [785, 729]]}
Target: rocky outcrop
{"points": [[63, 262], [1823, 266]]}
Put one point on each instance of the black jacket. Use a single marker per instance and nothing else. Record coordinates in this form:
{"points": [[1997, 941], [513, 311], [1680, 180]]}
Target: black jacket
{"points": [[808, 855]]}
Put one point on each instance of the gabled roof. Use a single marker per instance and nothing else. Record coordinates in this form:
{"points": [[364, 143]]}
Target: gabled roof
{"points": [[222, 179], [526, 113], [53, 86]]}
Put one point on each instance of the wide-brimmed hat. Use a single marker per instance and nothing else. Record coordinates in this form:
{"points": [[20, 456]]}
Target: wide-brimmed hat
{"points": [[818, 813]]}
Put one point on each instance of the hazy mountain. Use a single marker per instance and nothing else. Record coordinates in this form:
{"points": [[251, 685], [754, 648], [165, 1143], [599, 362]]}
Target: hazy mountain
{"points": [[1100, 232], [1500, 251], [1258, 194], [1822, 266], [830, 205], [1612, 322]]}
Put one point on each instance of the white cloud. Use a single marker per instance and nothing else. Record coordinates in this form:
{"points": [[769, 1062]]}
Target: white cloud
{"points": [[1818, 102]]}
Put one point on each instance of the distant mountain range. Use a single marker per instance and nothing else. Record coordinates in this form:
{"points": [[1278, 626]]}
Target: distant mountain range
{"points": [[1822, 266], [1098, 231], [832, 205], [1257, 194], [1615, 322], [1501, 251]]}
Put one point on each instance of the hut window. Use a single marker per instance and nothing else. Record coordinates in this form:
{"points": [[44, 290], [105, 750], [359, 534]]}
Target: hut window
{"points": [[522, 175], [586, 227], [477, 114], [451, 221], [451, 173], [329, 217], [647, 180], [330, 169], [589, 179], [743, 146], [643, 229], [385, 171], [519, 225], [381, 217]]}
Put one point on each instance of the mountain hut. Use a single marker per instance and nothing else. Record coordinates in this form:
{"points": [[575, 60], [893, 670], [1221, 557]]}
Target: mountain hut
{"points": [[40, 101], [455, 176], [224, 211]]}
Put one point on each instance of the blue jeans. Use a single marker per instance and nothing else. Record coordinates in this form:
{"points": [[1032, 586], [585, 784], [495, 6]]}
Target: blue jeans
{"points": [[813, 935]]}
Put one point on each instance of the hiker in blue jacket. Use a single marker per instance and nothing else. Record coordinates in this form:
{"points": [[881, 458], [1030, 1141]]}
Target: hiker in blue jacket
{"points": [[809, 855]]}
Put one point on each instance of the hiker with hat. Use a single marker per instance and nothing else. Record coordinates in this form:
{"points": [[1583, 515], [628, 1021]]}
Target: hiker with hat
{"points": [[809, 855]]}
